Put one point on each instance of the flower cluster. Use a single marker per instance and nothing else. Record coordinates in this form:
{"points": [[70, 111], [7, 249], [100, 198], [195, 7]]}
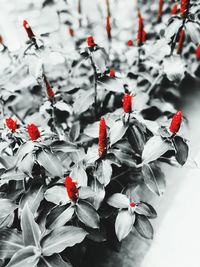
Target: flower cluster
{"points": [[33, 131], [71, 187]]}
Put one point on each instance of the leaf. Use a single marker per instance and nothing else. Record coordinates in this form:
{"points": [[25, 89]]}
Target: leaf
{"points": [[136, 139], [63, 106], [58, 239], [143, 208], [100, 58], [75, 131], [92, 130], [155, 183], [27, 256], [124, 224], [56, 220], [194, 31], [51, 163], [143, 226], [10, 242], [99, 190], [7, 208], [53, 261], [124, 157], [26, 164], [79, 174], [119, 201], [181, 149], [106, 172], [12, 174], [30, 230], [87, 214], [155, 147], [85, 192], [111, 84], [172, 29], [117, 131], [33, 197], [174, 68], [57, 195], [83, 101]]}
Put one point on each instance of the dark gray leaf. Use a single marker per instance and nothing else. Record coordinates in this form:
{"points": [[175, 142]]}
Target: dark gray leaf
{"points": [[143, 226], [53, 261], [181, 149], [143, 208]]}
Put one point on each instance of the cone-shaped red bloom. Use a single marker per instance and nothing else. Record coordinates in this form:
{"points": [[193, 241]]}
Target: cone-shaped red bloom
{"points": [[130, 43], [176, 122], [160, 10], [108, 27], [90, 41], [184, 7], [71, 187], [127, 103], [102, 137], [28, 29], [141, 36], [49, 89], [198, 52], [132, 204], [174, 9], [33, 131], [71, 31], [180, 41], [11, 124], [112, 73]]}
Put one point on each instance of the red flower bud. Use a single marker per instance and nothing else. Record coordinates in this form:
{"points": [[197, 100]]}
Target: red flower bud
{"points": [[127, 103], [185, 4], [102, 137], [176, 122], [71, 32], [130, 42], [108, 27], [112, 73], [49, 89], [180, 41], [90, 41], [160, 10], [174, 9], [198, 52], [71, 187], [132, 204], [11, 124], [28, 29], [141, 37], [33, 131]]}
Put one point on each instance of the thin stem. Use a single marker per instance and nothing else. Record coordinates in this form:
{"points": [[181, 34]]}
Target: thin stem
{"points": [[95, 83], [155, 83]]}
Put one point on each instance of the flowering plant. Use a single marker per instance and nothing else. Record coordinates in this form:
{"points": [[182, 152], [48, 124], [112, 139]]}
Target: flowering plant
{"points": [[85, 127]]}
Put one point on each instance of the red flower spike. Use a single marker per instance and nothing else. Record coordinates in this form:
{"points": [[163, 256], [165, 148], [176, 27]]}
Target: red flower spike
{"points": [[11, 124], [180, 41], [112, 73], [49, 89], [132, 204], [102, 137], [127, 103], [130, 43], [174, 9], [108, 27], [90, 41], [28, 29], [71, 187], [198, 52], [33, 131], [160, 10], [141, 36], [184, 7], [71, 32], [176, 122]]}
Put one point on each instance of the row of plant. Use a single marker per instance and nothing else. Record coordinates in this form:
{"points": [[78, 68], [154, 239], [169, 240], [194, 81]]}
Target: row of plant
{"points": [[86, 127]]}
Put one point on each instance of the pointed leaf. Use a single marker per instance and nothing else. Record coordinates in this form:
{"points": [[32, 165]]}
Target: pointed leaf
{"points": [[117, 131], [119, 201], [124, 224], [53, 261], [57, 240], [143, 226]]}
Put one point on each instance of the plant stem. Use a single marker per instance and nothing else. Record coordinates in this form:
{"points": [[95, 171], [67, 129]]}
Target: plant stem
{"points": [[95, 84]]}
